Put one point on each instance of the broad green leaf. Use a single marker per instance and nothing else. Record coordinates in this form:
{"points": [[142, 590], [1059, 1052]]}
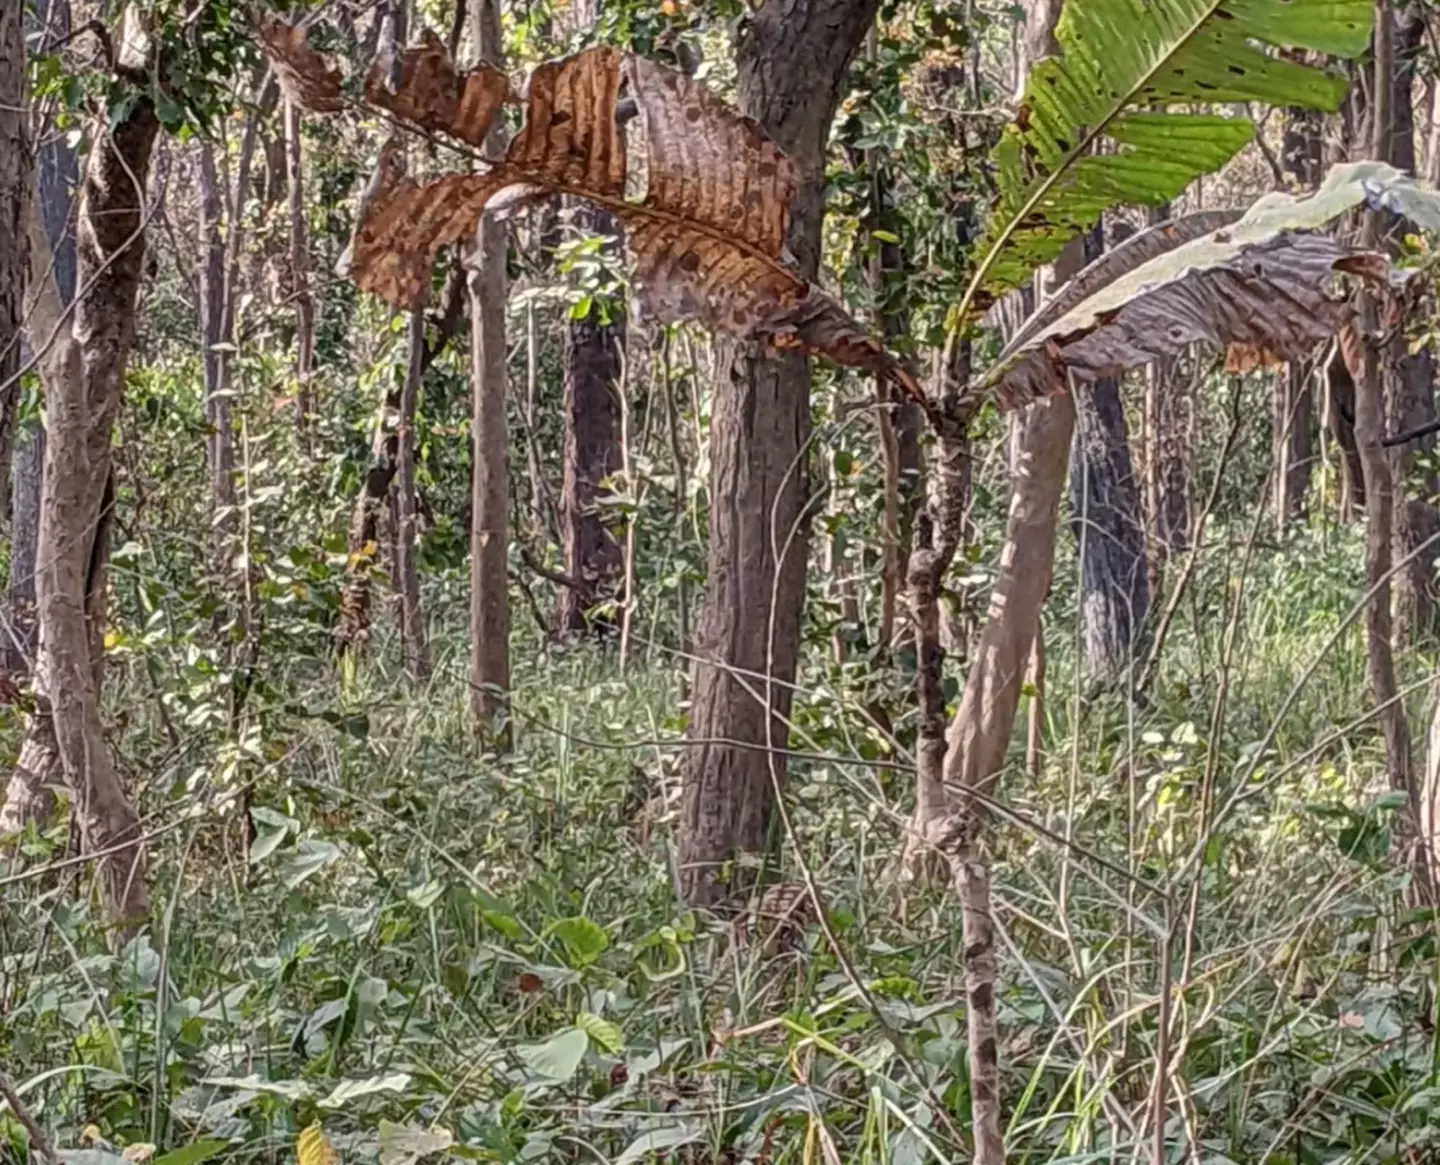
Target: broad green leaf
{"points": [[656, 1140], [309, 857], [193, 1153], [1095, 129], [584, 940], [403, 1144], [348, 1090], [267, 843], [559, 1057], [606, 1035]]}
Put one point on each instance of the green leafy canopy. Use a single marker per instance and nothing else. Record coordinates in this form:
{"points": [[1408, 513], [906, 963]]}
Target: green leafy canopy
{"points": [[1098, 128]]}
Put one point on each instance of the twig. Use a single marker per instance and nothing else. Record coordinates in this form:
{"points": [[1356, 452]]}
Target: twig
{"points": [[1411, 434], [38, 1140]]}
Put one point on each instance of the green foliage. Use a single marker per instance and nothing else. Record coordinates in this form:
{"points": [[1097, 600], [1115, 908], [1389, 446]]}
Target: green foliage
{"points": [[1097, 128]]}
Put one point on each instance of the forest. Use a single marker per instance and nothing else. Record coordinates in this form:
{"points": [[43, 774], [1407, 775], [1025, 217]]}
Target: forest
{"points": [[788, 582]]}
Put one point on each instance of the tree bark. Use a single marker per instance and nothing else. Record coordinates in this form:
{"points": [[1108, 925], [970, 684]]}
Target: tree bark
{"points": [[982, 727], [83, 378], [591, 452], [1107, 524], [16, 182], [299, 268], [940, 530], [490, 480], [413, 639], [792, 58]]}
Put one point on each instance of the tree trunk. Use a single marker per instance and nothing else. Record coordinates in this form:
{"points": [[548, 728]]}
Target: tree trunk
{"points": [[982, 727], [83, 378], [940, 529], [490, 478], [1292, 430], [299, 268], [792, 57], [591, 451], [413, 639], [1106, 521], [16, 181]]}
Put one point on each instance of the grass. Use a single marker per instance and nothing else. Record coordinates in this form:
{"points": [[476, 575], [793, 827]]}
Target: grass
{"points": [[489, 952]]}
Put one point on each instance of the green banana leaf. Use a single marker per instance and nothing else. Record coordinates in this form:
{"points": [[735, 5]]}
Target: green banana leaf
{"points": [[1098, 127]]}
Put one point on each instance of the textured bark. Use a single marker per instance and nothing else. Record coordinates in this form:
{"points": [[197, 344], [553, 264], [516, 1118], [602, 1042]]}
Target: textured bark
{"points": [[57, 176], [299, 267], [981, 729], [792, 57], [591, 452], [1409, 404], [1107, 523], [490, 478], [83, 387], [1292, 429], [16, 182], [940, 530], [413, 638]]}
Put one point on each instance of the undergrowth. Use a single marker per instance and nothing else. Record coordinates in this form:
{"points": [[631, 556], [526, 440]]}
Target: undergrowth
{"points": [[363, 922]]}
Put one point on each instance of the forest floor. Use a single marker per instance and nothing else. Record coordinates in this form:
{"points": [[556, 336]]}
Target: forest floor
{"points": [[426, 950]]}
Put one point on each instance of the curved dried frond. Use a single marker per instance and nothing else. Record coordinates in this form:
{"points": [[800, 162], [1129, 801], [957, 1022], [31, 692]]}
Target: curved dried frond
{"points": [[707, 237], [306, 79], [1261, 285], [429, 93]]}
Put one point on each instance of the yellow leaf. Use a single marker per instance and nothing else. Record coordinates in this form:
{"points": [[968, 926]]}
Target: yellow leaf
{"points": [[139, 1153], [311, 1147], [90, 1134], [111, 639]]}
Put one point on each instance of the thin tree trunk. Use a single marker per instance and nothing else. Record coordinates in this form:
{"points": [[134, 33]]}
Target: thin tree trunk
{"points": [[414, 641], [792, 57], [591, 452], [214, 286], [300, 269], [490, 479], [940, 529], [1366, 362], [982, 728], [82, 398]]}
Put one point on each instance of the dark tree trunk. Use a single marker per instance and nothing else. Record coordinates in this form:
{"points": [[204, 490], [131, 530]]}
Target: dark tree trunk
{"points": [[591, 450], [1108, 524], [792, 58], [413, 638], [16, 182], [1106, 520], [1293, 409]]}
